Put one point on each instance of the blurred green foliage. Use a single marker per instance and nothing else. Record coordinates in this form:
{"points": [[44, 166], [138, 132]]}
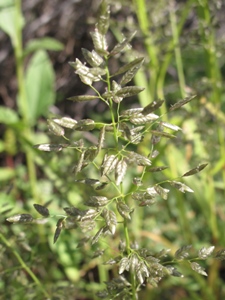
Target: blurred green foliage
{"points": [[178, 60]]}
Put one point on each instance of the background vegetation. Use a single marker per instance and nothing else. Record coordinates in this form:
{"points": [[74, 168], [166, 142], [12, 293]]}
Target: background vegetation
{"points": [[183, 46]]}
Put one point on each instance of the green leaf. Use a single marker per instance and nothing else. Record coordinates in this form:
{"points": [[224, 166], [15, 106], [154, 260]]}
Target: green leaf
{"points": [[8, 116], [195, 170], [7, 173], [81, 98], [39, 84], [46, 43], [41, 210], [10, 21]]}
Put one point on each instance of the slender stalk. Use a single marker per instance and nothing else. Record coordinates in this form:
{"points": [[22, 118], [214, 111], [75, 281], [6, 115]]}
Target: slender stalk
{"points": [[24, 266], [178, 57], [151, 48], [22, 98]]}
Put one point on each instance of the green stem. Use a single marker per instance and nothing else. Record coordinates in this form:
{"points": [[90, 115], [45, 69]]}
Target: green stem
{"points": [[22, 98], [151, 48], [24, 266], [175, 34]]}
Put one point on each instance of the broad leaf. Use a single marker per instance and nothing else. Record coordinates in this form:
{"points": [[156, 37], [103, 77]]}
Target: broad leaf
{"points": [[39, 84]]}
